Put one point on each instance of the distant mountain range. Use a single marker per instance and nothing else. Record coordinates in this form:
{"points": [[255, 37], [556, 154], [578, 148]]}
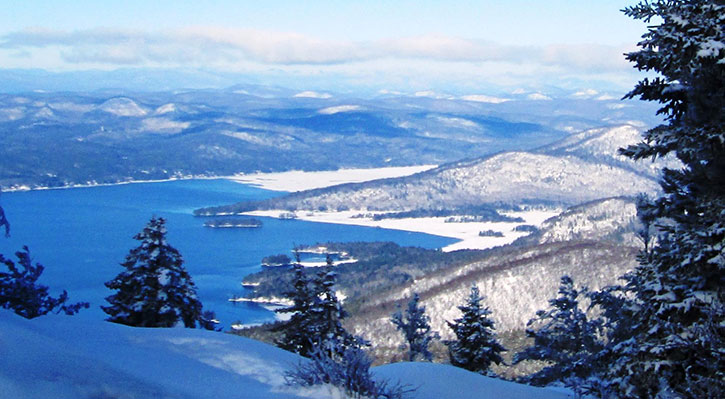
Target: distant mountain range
{"points": [[56, 139]]}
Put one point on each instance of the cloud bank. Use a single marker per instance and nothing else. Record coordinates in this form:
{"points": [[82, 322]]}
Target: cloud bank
{"points": [[224, 46]]}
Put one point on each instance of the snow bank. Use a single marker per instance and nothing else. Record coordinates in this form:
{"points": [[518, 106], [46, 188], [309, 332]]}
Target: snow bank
{"points": [[65, 357], [460, 384]]}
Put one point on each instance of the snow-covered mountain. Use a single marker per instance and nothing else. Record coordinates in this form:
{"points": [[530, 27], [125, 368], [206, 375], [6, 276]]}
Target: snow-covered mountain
{"points": [[65, 358], [602, 145], [571, 172], [610, 219], [594, 243], [122, 106]]}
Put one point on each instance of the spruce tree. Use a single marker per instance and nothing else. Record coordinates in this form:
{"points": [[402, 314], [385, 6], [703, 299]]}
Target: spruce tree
{"points": [[297, 332], [328, 313], [316, 314], [564, 338], [675, 346], [154, 289], [415, 326], [476, 345]]}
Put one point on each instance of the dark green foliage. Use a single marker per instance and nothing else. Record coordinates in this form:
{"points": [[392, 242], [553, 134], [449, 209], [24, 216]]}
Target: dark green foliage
{"points": [[675, 345], [476, 345], [415, 326], [275, 260], [233, 222], [490, 233], [20, 292], [4, 222], [316, 314], [296, 331], [563, 337], [379, 266], [155, 290], [482, 213]]}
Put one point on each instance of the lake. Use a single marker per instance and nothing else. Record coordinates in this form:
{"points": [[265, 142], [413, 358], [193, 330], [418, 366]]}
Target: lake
{"points": [[81, 235]]}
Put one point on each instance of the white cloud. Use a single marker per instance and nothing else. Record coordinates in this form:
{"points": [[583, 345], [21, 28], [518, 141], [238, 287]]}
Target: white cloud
{"points": [[212, 45]]}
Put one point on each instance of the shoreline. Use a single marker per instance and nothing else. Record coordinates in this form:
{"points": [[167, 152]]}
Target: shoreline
{"points": [[288, 181], [466, 233]]}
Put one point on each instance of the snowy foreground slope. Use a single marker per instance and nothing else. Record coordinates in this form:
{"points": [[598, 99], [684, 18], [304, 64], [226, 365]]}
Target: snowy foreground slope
{"points": [[63, 357]]}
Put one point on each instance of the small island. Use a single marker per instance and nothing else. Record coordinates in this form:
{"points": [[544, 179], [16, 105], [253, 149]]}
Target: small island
{"points": [[276, 260], [233, 223]]}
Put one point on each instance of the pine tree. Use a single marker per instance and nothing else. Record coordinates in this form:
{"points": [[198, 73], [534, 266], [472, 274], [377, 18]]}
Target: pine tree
{"points": [[20, 292], [475, 346], [563, 337], [676, 341], [415, 326], [154, 290]]}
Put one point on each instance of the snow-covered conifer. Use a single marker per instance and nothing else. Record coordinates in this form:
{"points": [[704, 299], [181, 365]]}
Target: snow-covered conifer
{"points": [[476, 345], [563, 337], [415, 326], [297, 332], [675, 345], [316, 313], [154, 289]]}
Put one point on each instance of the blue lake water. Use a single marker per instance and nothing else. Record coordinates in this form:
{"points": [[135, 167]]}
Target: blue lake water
{"points": [[81, 235]]}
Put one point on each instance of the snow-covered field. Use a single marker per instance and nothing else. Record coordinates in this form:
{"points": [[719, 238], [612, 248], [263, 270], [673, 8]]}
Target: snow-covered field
{"points": [[467, 233], [298, 180], [64, 357]]}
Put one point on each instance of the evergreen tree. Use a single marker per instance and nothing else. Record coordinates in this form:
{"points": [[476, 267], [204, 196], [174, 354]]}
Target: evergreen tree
{"points": [[476, 346], [316, 314], [415, 326], [327, 312], [155, 290], [564, 338], [297, 333], [675, 345], [20, 292]]}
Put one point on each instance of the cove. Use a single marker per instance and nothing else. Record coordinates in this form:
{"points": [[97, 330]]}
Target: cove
{"points": [[81, 235]]}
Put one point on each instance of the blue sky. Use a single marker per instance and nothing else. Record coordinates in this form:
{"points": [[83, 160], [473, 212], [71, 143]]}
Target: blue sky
{"points": [[396, 43]]}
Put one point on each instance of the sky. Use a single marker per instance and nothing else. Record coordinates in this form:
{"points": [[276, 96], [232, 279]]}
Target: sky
{"points": [[397, 44]]}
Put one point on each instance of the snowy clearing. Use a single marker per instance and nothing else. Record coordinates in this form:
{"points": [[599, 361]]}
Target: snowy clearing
{"points": [[63, 357]]}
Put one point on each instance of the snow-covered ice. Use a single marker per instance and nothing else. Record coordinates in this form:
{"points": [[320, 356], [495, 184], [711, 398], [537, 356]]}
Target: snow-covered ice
{"points": [[297, 180], [467, 233]]}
